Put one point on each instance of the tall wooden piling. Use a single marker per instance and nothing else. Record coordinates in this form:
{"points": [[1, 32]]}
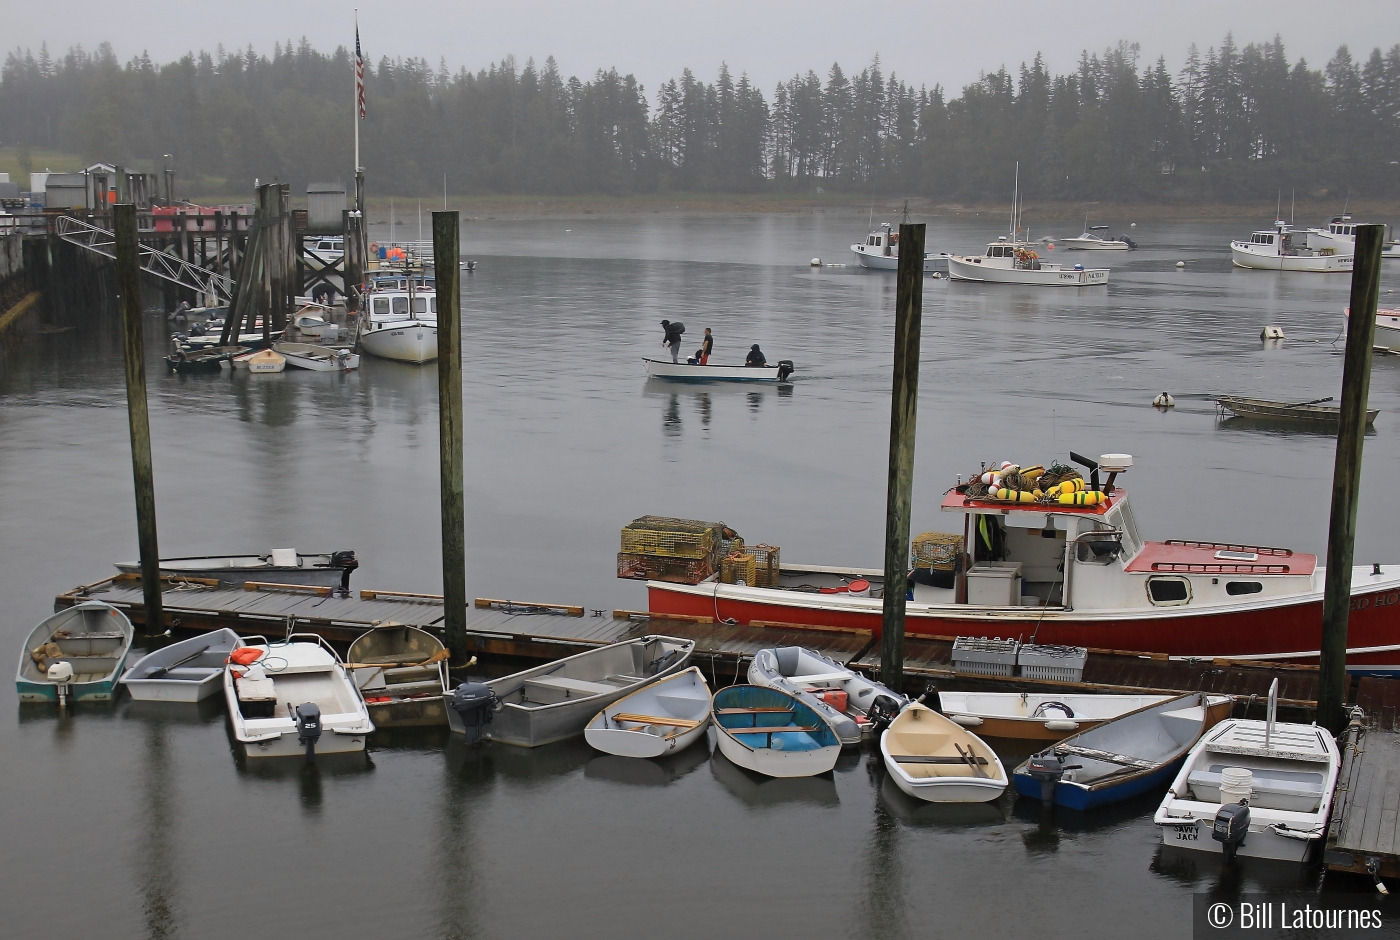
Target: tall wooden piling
{"points": [[133, 352], [904, 404], [446, 258], [1346, 475]]}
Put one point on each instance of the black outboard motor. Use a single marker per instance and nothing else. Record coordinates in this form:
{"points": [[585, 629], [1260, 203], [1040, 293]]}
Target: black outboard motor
{"points": [[882, 711], [308, 719], [1049, 769], [476, 704], [785, 369], [1230, 827], [348, 563]]}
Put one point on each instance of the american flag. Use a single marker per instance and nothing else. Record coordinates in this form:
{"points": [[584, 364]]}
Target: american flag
{"points": [[359, 74]]}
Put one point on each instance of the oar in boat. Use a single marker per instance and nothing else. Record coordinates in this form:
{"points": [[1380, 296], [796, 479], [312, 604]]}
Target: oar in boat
{"points": [[162, 670], [971, 758], [1315, 401], [437, 657]]}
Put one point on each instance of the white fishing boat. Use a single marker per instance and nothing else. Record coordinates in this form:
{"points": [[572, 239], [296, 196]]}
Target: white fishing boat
{"points": [[855, 707], [935, 759], [1007, 262], [317, 358], [880, 251], [771, 732], [1032, 716], [260, 361], [1091, 240], [75, 655], [686, 372], [662, 718], [556, 701], [279, 566], [1261, 789], [1387, 328], [294, 697], [1283, 249], [188, 671], [400, 319], [1340, 235]]}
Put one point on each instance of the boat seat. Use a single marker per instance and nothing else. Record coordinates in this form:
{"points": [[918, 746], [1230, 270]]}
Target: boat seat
{"points": [[403, 689], [188, 673], [1272, 789], [547, 690]]}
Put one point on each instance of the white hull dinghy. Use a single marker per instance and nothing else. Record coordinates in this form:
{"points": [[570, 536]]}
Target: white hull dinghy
{"points": [[556, 701], [773, 733], [1261, 789], [1028, 716], [279, 566], [844, 698], [685, 372], [665, 717], [75, 655], [294, 697], [188, 671], [260, 362], [317, 358], [934, 759]]}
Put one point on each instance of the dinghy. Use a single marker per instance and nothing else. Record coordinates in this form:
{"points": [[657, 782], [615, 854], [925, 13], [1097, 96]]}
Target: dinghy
{"points": [[664, 717], [686, 372], [1028, 716], [317, 358], [188, 671], [555, 701], [844, 698], [260, 361], [1128, 755], [401, 673], [771, 732], [294, 697], [1261, 789], [1313, 412], [935, 759], [279, 566], [75, 655]]}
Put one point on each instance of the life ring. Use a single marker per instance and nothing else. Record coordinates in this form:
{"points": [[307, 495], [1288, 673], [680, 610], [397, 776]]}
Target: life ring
{"points": [[374, 248]]}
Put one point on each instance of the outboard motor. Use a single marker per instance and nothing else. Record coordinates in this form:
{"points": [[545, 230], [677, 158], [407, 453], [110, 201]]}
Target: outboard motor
{"points": [[476, 704], [1230, 827], [61, 675], [348, 563], [308, 719], [1049, 769], [785, 369], [882, 711]]}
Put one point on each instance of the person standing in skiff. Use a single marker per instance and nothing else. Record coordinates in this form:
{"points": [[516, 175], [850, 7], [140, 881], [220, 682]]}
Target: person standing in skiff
{"points": [[672, 337]]}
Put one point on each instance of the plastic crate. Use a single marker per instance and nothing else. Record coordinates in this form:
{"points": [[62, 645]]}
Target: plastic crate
{"points": [[671, 538], [736, 568], [1055, 663], [981, 656], [766, 561], [661, 568]]}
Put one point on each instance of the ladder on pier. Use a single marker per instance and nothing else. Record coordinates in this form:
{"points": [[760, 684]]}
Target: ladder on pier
{"points": [[168, 267]]}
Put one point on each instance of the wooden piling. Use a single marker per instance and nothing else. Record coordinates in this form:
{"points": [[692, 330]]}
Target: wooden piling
{"points": [[446, 258], [133, 352], [904, 404], [1346, 475]]}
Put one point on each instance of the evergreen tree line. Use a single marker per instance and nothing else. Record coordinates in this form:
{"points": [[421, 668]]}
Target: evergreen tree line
{"points": [[1234, 123]]}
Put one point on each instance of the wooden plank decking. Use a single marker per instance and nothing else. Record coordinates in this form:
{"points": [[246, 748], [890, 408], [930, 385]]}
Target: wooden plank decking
{"points": [[1365, 826]]}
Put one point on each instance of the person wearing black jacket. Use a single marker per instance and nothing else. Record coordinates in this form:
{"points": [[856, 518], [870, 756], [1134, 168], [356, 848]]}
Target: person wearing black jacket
{"points": [[672, 337], [707, 347], [755, 357]]}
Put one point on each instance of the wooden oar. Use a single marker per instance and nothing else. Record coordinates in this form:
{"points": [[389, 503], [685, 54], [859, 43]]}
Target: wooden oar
{"points": [[437, 657], [971, 759], [1315, 401], [157, 673]]}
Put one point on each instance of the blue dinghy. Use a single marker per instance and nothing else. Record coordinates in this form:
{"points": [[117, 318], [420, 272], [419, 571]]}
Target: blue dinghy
{"points": [[75, 654], [1131, 754], [771, 732]]}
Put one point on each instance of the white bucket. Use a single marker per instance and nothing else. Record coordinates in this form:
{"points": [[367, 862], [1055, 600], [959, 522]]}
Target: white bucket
{"points": [[1236, 784], [284, 557]]}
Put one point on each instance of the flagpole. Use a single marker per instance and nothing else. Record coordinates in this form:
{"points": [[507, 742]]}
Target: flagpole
{"points": [[356, 109]]}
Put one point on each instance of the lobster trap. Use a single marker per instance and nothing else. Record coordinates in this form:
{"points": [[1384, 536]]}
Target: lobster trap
{"points": [[766, 564], [662, 568], [672, 538], [937, 551], [736, 568]]}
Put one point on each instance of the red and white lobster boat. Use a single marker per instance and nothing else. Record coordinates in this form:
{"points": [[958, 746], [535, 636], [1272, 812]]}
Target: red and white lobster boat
{"points": [[1086, 578]]}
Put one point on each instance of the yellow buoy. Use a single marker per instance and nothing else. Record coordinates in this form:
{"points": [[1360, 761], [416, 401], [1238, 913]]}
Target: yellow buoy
{"points": [[1082, 499]]}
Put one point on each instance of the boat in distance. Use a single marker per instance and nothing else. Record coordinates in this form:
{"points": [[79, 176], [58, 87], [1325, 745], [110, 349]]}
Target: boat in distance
{"points": [[1091, 240], [686, 372], [1008, 262], [556, 701], [880, 251], [75, 655], [1128, 755], [1283, 249], [1307, 412], [279, 566], [773, 733], [932, 758], [663, 717], [187, 671]]}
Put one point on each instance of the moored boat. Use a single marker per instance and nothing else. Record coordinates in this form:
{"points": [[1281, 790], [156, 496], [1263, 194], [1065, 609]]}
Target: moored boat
{"points": [[1127, 755], [1283, 249], [75, 655], [685, 372], [317, 358], [1030, 716], [1019, 263], [1340, 235], [935, 759], [186, 671], [770, 732], [555, 701], [1303, 412], [399, 320], [880, 251], [401, 673], [1091, 240], [664, 717], [279, 566], [260, 362], [855, 707], [1387, 328]]}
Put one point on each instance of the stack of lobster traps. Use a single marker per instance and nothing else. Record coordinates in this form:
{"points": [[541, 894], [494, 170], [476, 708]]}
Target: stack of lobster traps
{"points": [[659, 548]]}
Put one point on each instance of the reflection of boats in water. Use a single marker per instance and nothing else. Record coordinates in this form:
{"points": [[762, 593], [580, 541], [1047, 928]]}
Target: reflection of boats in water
{"points": [[922, 814], [655, 772], [756, 789]]}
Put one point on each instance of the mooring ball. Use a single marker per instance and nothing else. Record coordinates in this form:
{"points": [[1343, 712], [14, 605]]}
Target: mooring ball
{"points": [[1181, 264], [816, 262]]}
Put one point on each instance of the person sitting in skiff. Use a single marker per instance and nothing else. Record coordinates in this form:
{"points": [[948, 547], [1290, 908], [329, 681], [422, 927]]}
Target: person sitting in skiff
{"points": [[755, 357]]}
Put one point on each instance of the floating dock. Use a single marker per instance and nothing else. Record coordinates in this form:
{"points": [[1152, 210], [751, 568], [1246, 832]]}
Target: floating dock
{"points": [[1364, 834]]}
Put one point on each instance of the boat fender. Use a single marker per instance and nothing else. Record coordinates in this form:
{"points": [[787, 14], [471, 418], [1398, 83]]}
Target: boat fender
{"points": [[1075, 485], [1016, 496], [1094, 498], [967, 721], [1061, 724]]}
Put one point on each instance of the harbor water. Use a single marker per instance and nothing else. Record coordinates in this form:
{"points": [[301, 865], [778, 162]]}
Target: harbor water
{"points": [[134, 820]]}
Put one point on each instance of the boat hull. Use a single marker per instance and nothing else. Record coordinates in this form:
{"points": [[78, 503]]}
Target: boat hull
{"points": [[236, 575], [1091, 244], [414, 342], [683, 372], [664, 699], [1260, 843], [969, 268], [1073, 795], [109, 647], [1285, 629], [937, 787], [773, 763], [875, 260], [1314, 264], [1388, 330]]}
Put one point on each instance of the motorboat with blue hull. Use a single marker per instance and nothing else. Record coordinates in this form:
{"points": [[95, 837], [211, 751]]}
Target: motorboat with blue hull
{"points": [[691, 372], [187, 671], [855, 707], [1134, 753], [771, 732], [279, 566], [75, 655]]}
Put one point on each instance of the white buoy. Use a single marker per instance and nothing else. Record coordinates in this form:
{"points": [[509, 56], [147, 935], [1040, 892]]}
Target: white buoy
{"points": [[816, 262], [1181, 264], [1133, 225], [1271, 332], [1164, 401]]}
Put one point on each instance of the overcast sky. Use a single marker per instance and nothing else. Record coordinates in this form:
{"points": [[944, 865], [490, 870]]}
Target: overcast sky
{"points": [[924, 42]]}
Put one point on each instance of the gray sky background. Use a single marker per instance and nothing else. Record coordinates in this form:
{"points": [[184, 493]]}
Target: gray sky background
{"points": [[923, 42]]}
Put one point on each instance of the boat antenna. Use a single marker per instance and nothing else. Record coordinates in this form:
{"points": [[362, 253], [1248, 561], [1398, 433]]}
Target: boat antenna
{"points": [[905, 218], [1015, 199], [1293, 209], [1278, 207]]}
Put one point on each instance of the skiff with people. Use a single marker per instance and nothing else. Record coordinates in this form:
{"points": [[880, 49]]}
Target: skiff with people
{"points": [[1055, 556]]}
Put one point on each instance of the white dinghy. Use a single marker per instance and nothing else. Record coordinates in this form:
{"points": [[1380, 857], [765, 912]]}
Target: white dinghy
{"points": [[188, 671], [692, 372], [844, 698], [317, 358], [662, 718], [1031, 716], [771, 732], [294, 697], [934, 759], [1262, 789]]}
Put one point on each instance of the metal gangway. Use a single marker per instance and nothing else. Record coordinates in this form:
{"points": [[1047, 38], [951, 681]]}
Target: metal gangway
{"points": [[213, 287]]}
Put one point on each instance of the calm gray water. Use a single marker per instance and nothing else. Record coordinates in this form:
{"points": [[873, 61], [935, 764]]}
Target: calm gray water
{"points": [[129, 821]]}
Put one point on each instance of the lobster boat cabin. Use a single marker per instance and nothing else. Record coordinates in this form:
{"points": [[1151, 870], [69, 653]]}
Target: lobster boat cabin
{"points": [[1074, 568]]}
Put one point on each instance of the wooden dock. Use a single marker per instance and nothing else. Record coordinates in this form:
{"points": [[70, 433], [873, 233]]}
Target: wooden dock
{"points": [[1364, 834]]}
